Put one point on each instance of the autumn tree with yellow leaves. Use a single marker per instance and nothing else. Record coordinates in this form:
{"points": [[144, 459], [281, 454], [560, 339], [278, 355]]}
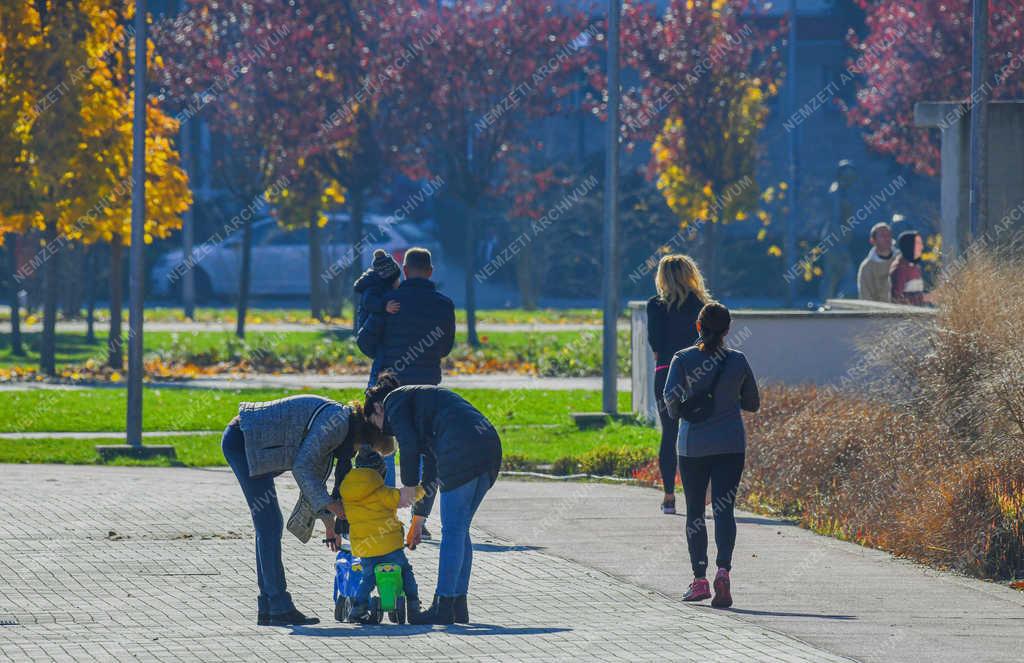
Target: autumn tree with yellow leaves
{"points": [[706, 72], [73, 143]]}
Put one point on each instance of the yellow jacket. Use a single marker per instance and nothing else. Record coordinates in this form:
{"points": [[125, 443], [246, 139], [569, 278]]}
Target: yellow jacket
{"points": [[371, 509]]}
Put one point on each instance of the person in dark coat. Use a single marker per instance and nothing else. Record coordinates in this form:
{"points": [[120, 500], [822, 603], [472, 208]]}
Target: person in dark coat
{"points": [[714, 449], [672, 326], [461, 456], [413, 341]]}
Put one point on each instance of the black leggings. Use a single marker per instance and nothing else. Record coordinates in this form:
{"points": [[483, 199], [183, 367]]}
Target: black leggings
{"points": [[725, 471], [669, 429]]}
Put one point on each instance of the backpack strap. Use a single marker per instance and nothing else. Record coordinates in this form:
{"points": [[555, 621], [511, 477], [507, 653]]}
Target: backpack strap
{"points": [[719, 370]]}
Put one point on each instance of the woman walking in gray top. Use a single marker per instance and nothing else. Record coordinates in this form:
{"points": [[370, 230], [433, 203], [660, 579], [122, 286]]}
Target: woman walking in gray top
{"points": [[302, 434], [713, 448]]}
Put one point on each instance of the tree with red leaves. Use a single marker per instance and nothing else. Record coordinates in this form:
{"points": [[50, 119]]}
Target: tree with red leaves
{"points": [[249, 67], [920, 50], [706, 71], [490, 69]]}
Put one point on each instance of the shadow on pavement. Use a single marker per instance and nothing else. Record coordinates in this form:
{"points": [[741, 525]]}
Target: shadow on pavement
{"points": [[493, 629], [391, 630], [772, 613], [495, 548], [754, 520], [362, 630]]}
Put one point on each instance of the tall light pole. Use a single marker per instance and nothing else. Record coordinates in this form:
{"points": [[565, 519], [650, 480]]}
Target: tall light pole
{"points": [[136, 256], [188, 281], [979, 119], [789, 239], [610, 252]]}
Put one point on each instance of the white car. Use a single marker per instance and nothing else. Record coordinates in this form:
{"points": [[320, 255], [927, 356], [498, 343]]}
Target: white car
{"points": [[280, 257]]}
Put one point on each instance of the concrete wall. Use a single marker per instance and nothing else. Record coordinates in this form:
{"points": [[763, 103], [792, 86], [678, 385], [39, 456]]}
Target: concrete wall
{"points": [[1005, 170], [788, 347]]}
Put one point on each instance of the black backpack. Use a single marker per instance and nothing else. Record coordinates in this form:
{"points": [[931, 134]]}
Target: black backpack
{"points": [[701, 404]]}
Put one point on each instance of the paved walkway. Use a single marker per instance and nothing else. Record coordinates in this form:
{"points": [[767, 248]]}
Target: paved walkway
{"points": [[157, 564], [348, 381], [847, 599]]}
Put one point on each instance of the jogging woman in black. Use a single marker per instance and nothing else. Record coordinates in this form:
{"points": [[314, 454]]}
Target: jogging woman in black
{"points": [[672, 326], [715, 447]]}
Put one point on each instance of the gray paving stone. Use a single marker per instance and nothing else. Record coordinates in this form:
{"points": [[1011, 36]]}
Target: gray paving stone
{"points": [[157, 564]]}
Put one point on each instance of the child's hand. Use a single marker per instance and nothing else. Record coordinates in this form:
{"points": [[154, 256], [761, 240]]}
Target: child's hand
{"points": [[392, 306], [407, 495]]}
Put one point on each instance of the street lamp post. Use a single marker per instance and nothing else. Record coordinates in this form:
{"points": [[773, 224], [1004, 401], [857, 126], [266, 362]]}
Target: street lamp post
{"points": [[789, 239], [609, 368], [979, 119], [136, 256]]}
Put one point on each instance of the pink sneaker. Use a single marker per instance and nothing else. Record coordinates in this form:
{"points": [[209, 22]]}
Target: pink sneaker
{"points": [[698, 591], [723, 597]]}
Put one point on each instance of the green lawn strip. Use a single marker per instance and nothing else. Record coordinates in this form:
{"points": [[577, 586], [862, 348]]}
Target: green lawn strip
{"points": [[202, 450], [563, 353], [275, 315], [537, 445], [173, 409]]}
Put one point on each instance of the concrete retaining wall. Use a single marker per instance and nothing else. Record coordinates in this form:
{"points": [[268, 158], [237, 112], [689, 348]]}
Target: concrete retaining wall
{"points": [[783, 346]]}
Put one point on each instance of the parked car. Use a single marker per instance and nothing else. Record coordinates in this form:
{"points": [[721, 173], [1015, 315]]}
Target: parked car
{"points": [[280, 257]]}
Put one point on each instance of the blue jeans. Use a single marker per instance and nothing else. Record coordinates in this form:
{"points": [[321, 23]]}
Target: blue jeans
{"points": [[261, 497], [458, 507], [369, 579]]}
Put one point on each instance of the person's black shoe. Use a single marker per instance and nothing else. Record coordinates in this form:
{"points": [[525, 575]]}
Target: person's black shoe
{"points": [[416, 616], [460, 610], [262, 619], [425, 533], [291, 618], [440, 612]]}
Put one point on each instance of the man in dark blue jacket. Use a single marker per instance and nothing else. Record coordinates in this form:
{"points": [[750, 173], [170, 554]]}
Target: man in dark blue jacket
{"points": [[413, 341]]}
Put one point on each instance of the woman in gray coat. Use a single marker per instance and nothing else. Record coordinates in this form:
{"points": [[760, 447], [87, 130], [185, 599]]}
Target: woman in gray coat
{"points": [[713, 449], [301, 434]]}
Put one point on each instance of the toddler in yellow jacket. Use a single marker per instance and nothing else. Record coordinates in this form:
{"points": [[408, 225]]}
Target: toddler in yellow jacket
{"points": [[377, 536]]}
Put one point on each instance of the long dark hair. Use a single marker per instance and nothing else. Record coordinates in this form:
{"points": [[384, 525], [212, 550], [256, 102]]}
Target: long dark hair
{"points": [[387, 382], [714, 321]]}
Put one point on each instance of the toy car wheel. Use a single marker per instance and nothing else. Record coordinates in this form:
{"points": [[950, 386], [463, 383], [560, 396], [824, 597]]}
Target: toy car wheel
{"points": [[341, 609], [376, 614]]}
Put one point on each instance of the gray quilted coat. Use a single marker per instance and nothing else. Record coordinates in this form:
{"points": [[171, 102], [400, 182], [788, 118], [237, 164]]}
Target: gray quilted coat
{"points": [[301, 434]]}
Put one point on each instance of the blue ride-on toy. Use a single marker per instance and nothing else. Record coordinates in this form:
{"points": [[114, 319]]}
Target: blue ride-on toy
{"points": [[348, 571]]}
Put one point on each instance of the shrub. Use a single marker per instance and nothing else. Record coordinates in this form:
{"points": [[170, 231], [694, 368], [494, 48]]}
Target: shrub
{"points": [[926, 460], [565, 465], [516, 463], [617, 462]]}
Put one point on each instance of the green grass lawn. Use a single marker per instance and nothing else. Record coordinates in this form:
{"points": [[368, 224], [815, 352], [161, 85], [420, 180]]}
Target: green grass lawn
{"points": [[558, 353], [227, 315], [534, 425]]}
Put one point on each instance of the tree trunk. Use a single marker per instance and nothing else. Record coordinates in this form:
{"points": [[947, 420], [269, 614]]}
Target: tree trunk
{"points": [[48, 345], [71, 291], [710, 267], [469, 248], [356, 240], [11, 242], [115, 346], [527, 278], [316, 268], [243, 279], [90, 295]]}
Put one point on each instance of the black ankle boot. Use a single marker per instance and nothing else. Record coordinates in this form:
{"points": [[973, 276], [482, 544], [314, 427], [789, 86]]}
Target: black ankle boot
{"points": [[461, 610], [441, 611], [415, 616], [291, 618]]}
